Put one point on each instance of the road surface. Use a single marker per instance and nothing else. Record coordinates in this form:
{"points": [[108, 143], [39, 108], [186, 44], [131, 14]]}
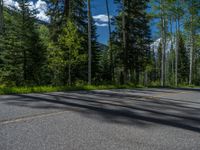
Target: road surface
{"points": [[143, 119]]}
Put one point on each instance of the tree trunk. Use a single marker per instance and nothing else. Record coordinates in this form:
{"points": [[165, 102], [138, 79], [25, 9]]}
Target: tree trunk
{"points": [[69, 69], [177, 45], [110, 42], [177, 50], [163, 62], [165, 45], [163, 28], [89, 45], [137, 76], [25, 66], [191, 51], [1, 16], [124, 43], [176, 59], [172, 48], [66, 8], [145, 78], [22, 38]]}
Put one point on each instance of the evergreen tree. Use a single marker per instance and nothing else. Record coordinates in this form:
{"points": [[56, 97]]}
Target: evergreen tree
{"points": [[33, 52], [23, 54], [183, 67], [96, 52], [159, 60], [78, 15], [136, 38], [30, 44], [192, 26], [11, 69]]}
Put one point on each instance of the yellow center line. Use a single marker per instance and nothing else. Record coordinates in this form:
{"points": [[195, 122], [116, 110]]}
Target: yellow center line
{"points": [[175, 93], [26, 118]]}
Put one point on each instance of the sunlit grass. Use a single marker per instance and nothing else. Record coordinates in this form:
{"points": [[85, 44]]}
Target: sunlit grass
{"points": [[46, 89]]}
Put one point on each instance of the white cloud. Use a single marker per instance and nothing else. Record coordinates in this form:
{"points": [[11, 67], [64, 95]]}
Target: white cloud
{"points": [[31, 5], [43, 16], [11, 3], [40, 6], [101, 20], [101, 24]]}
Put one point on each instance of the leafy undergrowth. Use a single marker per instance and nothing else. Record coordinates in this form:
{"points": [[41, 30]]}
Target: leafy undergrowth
{"points": [[45, 89]]}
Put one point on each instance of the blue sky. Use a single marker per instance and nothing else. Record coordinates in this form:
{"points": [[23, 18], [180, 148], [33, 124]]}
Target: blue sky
{"points": [[98, 12], [99, 8]]}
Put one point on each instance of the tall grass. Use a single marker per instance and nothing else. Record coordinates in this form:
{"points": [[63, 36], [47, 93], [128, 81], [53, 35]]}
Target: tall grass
{"points": [[47, 89]]}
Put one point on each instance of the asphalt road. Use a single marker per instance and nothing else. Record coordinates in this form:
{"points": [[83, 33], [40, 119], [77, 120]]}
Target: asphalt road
{"points": [[145, 119]]}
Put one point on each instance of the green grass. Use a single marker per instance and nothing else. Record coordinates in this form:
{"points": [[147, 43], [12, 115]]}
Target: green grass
{"points": [[45, 89]]}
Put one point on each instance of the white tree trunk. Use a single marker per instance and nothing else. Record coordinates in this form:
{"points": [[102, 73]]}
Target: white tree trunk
{"points": [[176, 59], [191, 51], [163, 32], [191, 63], [69, 69]]}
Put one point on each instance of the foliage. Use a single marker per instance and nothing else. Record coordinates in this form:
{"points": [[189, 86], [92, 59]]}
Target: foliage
{"points": [[23, 54], [35, 56], [45, 89], [135, 54]]}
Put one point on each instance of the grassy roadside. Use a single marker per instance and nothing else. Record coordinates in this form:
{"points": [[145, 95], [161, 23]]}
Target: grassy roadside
{"points": [[45, 89]]}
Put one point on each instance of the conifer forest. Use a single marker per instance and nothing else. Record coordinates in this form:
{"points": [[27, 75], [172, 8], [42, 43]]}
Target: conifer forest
{"points": [[150, 43]]}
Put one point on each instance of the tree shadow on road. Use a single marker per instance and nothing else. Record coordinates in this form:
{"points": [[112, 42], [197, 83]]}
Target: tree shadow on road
{"points": [[127, 109]]}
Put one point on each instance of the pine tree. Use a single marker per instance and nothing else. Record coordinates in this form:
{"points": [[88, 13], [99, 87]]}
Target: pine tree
{"points": [[78, 15], [1, 29], [23, 54], [192, 26], [132, 24], [159, 60], [183, 67], [11, 70], [32, 52], [96, 52], [177, 12]]}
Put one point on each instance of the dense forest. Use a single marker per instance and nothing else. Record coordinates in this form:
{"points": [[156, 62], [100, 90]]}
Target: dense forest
{"points": [[65, 49]]}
